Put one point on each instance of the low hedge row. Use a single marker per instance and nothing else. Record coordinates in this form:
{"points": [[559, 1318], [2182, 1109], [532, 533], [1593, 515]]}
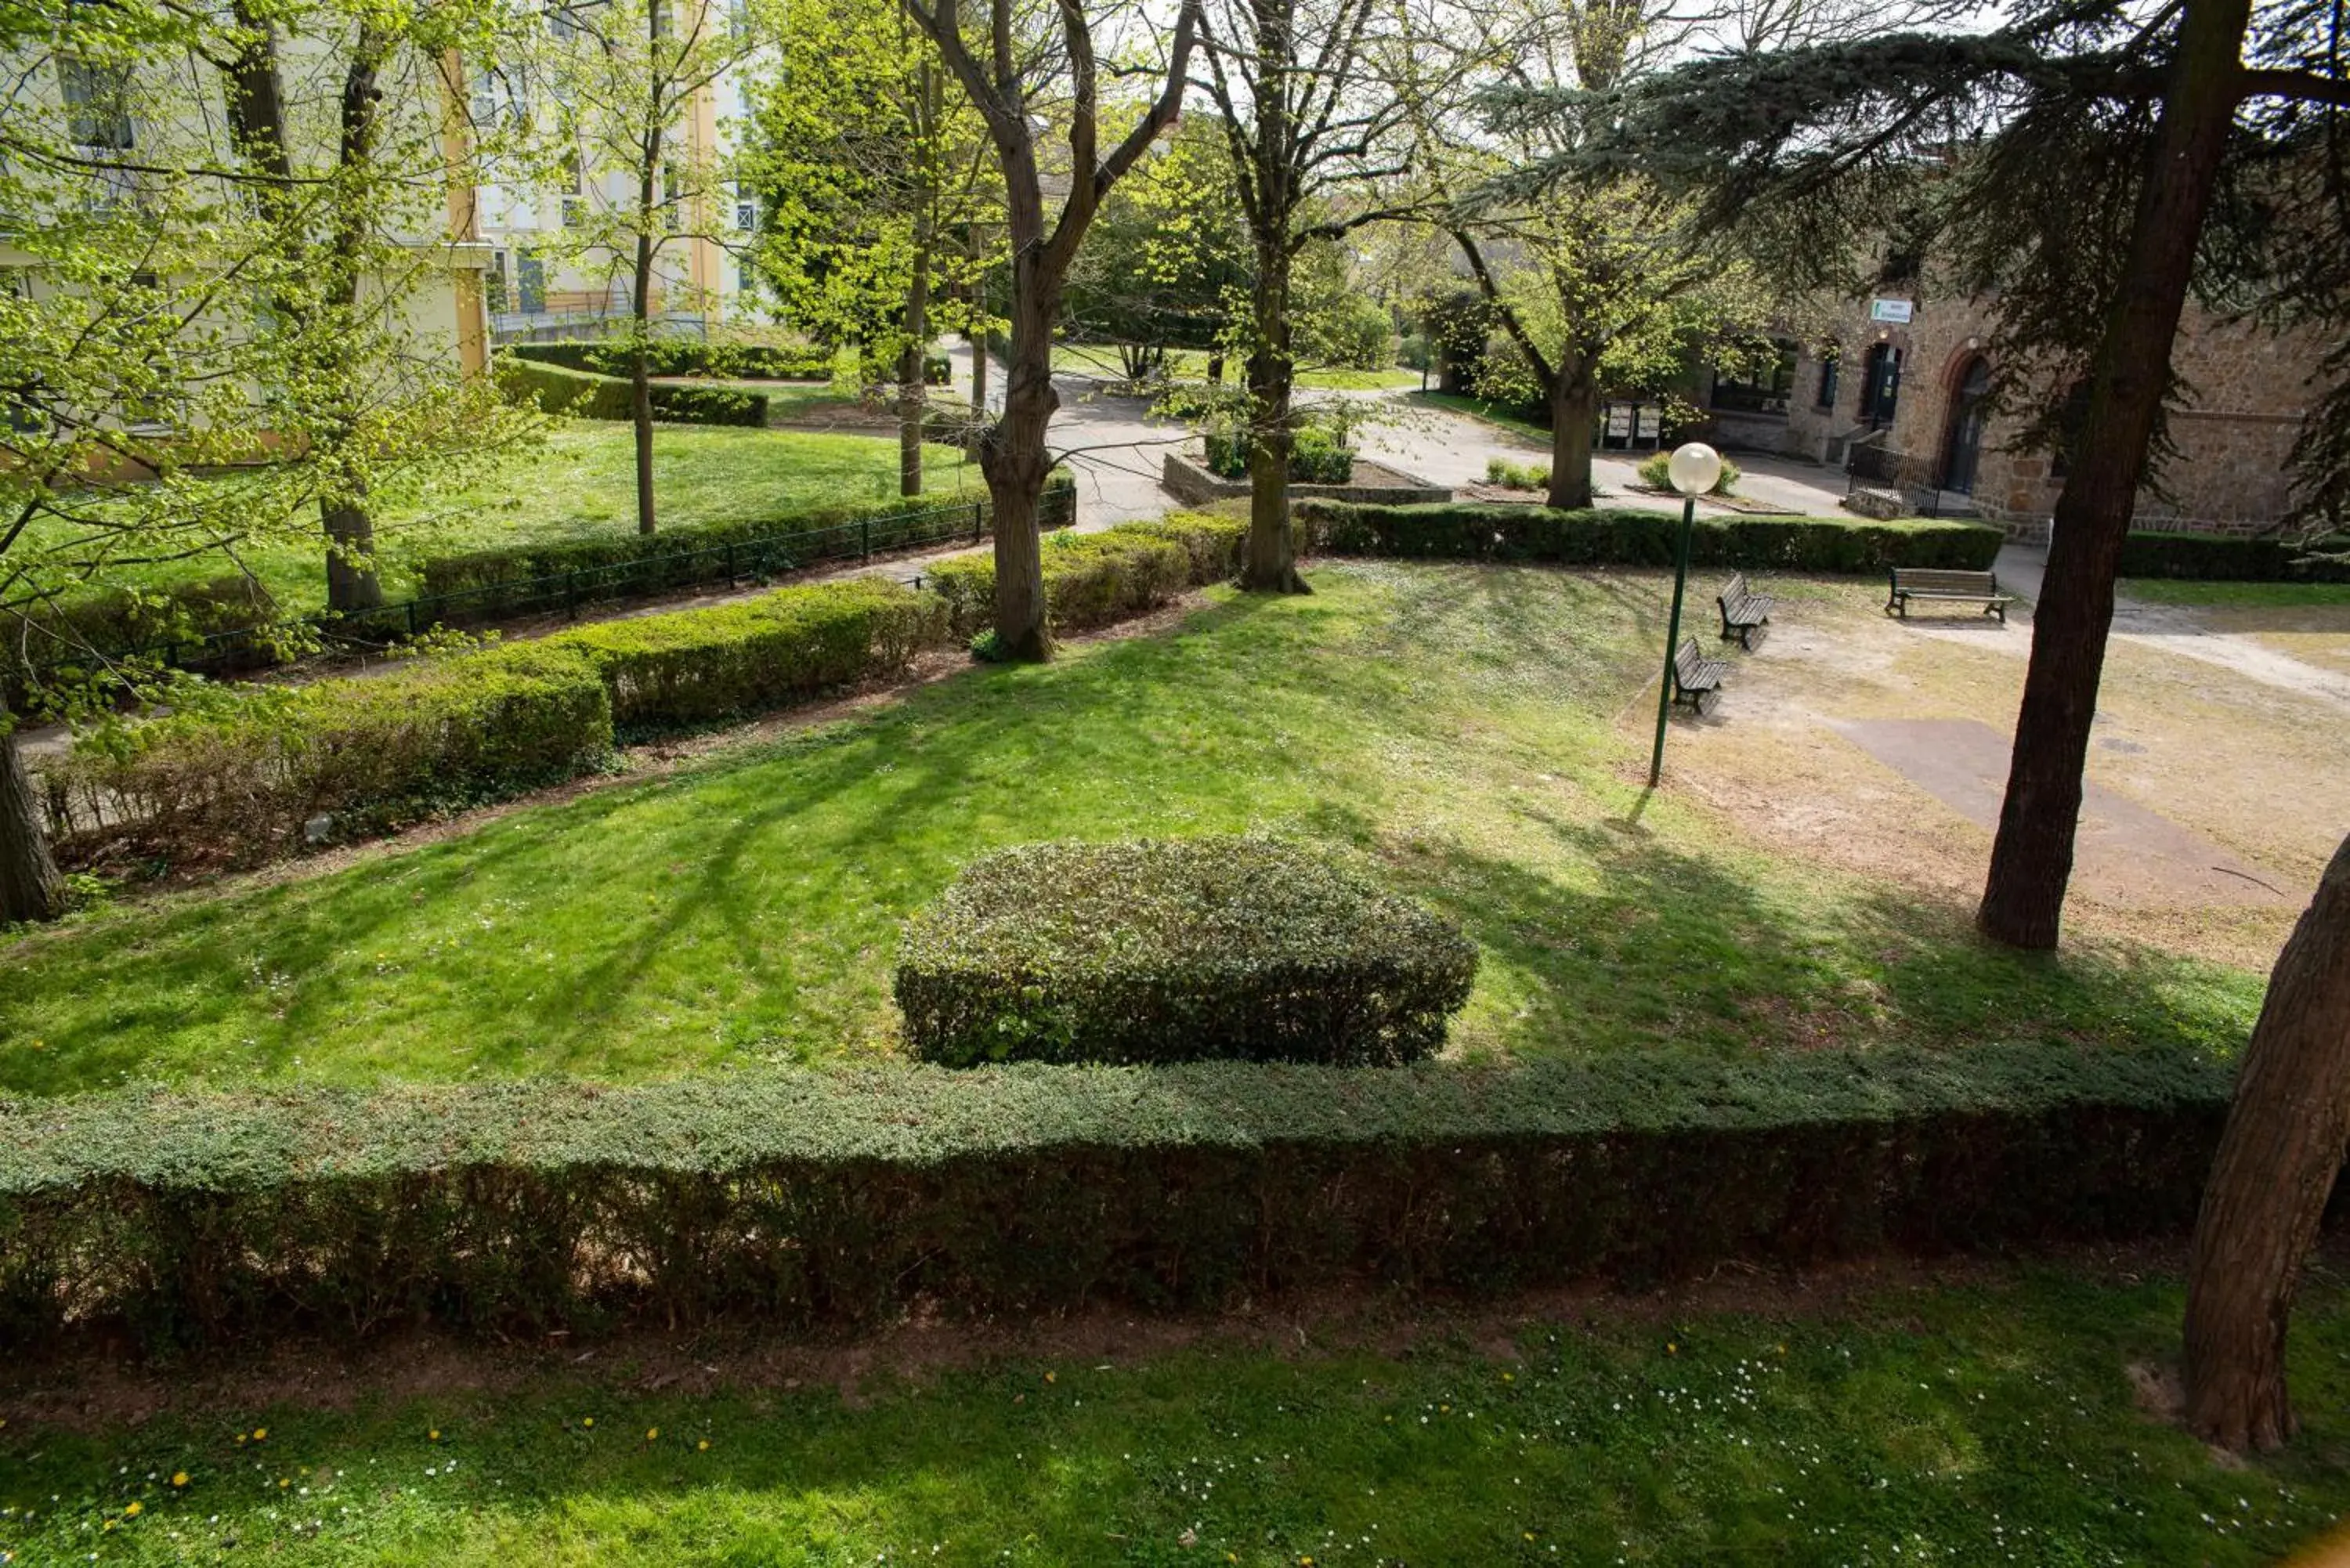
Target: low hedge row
{"points": [[688, 356], [270, 768], [695, 668], [1090, 579], [2212, 557], [1246, 949], [1621, 536], [844, 1196], [114, 622], [585, 394]]}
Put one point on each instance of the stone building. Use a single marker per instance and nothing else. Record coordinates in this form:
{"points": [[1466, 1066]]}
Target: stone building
{"points": [[1896, 390]]}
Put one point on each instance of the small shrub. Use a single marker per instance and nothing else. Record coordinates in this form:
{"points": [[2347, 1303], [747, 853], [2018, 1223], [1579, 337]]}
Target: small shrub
{"points": [[987, 647], [1316, 456], [1469, 531], [1511, 475], [1656, 473], [1179, 950]]}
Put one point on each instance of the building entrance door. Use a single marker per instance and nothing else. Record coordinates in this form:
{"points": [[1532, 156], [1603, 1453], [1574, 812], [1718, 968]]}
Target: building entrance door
{"points": [[1962, 444]]}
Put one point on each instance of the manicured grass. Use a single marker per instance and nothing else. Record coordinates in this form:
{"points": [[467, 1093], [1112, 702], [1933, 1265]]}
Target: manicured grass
{"points": [[1191, 365], [1987, 1425], [580, 482], [1510, 417], [1472, 735], [2253, 596]]}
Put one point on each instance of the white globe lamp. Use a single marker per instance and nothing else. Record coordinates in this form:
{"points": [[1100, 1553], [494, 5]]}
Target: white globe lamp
{"points": [[1696, 468]]}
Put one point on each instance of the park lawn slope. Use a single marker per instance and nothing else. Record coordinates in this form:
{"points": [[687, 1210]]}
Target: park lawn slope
{"points": [[1468, 734], [1987, 1424]]}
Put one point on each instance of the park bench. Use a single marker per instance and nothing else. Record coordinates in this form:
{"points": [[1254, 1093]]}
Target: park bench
{"points": [[1742, 611], [1695, 676], [1934, 583]]}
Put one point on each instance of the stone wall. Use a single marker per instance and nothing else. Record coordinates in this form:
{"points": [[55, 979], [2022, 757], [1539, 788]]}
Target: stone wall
{"points": [[2248, 391]]}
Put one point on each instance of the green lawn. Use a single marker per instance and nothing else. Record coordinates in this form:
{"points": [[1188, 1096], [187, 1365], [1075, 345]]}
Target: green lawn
{"points": [[1191, 365], [2251, 596], [1510, 417], [1987, 1425], [1455, 727], [581, 482]]}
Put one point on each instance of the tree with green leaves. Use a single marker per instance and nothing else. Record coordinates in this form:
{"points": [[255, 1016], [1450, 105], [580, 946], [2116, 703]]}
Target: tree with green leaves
{"points": [[1023, 79], [876, 188], [1317, 135], [2086, 169], [623, 77], [181, 378]]}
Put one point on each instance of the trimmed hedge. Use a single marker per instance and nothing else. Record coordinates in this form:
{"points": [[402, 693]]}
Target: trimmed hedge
{"points": [[118, 624], [838, 1197], [2212, 557], [255, 774], [692, 554], [586, 396], [666, 672], [1621, 536], [687, 357], [1315, 456], [1245, 949], [1090, 580]]}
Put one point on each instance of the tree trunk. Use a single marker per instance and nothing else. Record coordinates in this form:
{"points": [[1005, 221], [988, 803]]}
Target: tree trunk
{"points": [[1574, 410], [1267, 562], [2032, 858], [30, 888], [912, 389], [1017, 462], [353, 584], [978, 341], [2269, 1185]]}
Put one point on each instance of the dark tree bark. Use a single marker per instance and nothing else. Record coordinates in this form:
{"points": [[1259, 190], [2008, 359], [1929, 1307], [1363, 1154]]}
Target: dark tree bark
{"points": [[1268, 562], [2032, 858], [1574, 411], [641, 385], [913, 391], [30, 888], [2269, 1185], [1012, 454]]}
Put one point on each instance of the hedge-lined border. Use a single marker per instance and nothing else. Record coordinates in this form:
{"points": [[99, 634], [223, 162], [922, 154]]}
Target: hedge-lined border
{"points": [[2218, 558], [586, 395], [1473, 531], [843, 1197]]}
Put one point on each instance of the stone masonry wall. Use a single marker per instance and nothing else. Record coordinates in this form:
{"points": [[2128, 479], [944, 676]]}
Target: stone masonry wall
{"points": [[2248, 391]]}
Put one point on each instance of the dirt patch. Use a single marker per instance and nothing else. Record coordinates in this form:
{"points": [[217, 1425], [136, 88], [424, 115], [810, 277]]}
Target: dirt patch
{"points": [[2236, 781]]}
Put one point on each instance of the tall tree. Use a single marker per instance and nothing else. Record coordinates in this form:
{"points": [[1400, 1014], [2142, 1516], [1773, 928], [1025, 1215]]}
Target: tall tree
{"points": [[2084, 167], [2278, 1160], [874, 186], [147, 368], [626, 76], [1010, 80], [1314, 125]]}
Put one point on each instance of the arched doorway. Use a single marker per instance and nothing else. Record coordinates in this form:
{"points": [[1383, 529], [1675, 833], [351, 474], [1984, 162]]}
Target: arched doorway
{"points": [[1962, 440]]}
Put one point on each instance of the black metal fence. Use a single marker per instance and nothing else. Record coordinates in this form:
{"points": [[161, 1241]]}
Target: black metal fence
{"points": [[757, 559], [1873, 465]]}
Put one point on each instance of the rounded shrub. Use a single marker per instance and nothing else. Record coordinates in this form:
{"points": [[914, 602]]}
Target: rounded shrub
{"points": [[1177, 949], [1656, 473]]}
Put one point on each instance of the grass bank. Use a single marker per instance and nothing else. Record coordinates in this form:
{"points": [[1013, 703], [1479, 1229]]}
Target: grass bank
{"points": [[1470, 733], [1990, 1423]]}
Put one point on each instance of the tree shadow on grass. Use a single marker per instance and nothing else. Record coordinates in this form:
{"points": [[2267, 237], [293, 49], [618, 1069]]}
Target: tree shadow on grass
{"points": [[1684, 952]]}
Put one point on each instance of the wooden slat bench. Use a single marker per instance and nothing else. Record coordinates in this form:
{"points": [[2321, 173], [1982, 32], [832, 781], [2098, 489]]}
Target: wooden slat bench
{"points": [[1743, 612], [1695, 676], [1937, 583]]}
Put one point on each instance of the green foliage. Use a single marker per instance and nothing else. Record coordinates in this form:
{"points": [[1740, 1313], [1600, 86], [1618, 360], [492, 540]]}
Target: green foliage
{"points": [[1090, 579], [1169, 253], [585, 394], [1511, 475], [253, 773], [2215, 559], [255, 776], [696, 667], [1316, 456], [1469, 531], [53, 648], [1656, 473], [1245, 949], [841, 1197], [719, 359]]}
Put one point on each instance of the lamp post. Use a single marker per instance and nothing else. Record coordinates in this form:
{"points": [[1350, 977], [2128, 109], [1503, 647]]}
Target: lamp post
{"points": [[1695, 468]]}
